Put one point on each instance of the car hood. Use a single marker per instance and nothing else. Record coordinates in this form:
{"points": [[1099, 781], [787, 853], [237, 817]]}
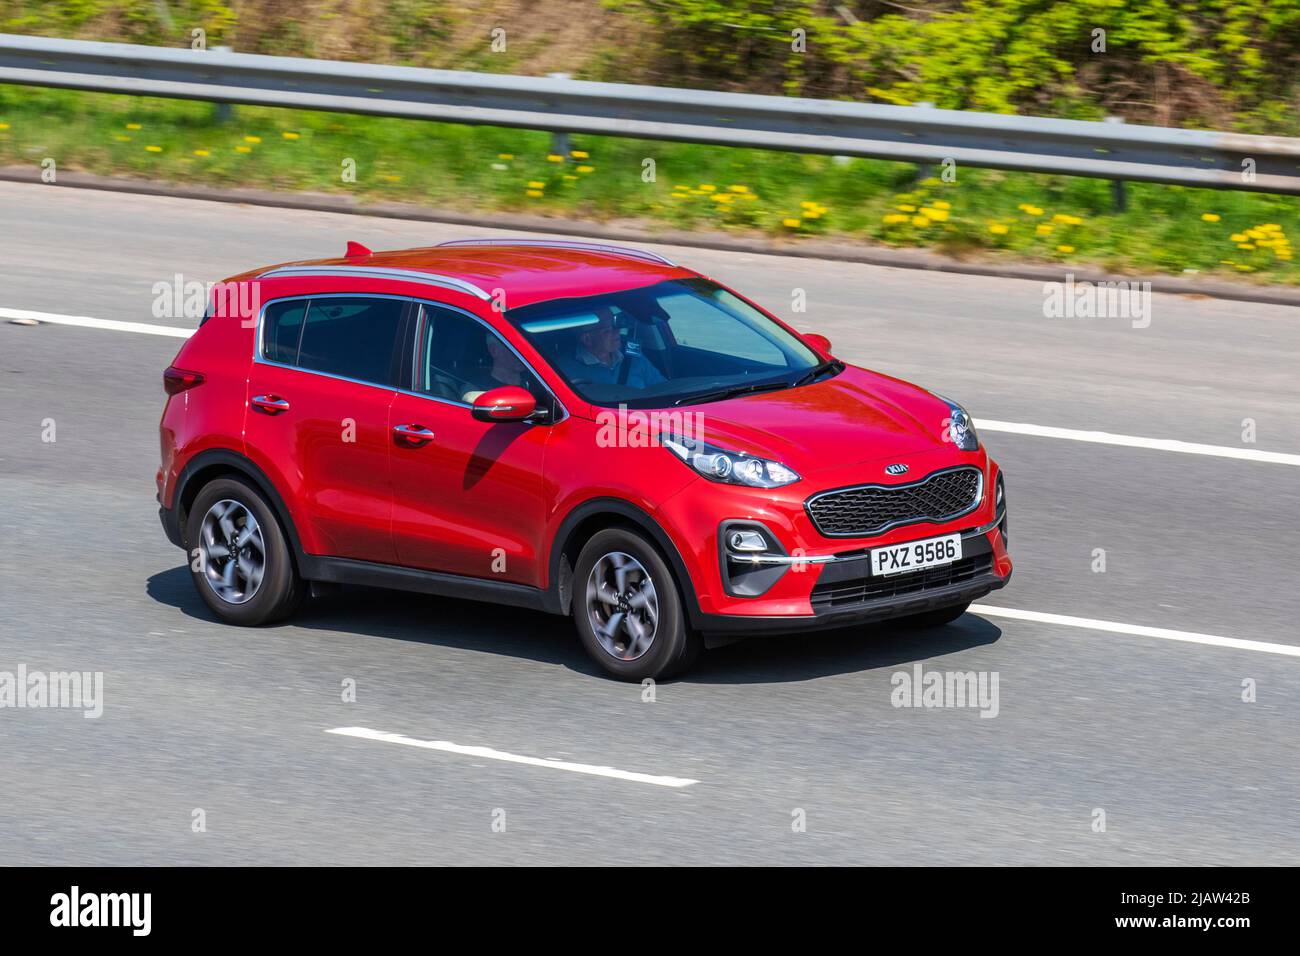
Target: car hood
{"points": [[855, 416]]}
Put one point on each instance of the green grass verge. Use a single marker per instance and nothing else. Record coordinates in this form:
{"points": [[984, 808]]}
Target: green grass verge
{"points": [[985, 212]]}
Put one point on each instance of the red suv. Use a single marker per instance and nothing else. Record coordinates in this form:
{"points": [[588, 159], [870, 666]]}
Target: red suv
{"points": [[571, 427]]}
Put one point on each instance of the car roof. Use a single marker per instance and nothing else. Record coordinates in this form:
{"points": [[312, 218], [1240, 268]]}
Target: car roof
{"points": [[528, 271]]}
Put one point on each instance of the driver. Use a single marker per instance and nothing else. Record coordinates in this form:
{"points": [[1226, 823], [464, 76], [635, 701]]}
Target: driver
{"points": [[599, 357]]}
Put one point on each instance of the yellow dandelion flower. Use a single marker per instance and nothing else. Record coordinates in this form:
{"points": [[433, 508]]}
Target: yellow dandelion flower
{"points": [[905, 208], [4, 125], [935, 213], [579, 154], [202, 152], [1210, 216], [243, 149], [535, 184], [894, 218], [555, 158], [1244, 268], [1065, 249], [534, 193], [1044, 229], [941, 204], [920, 221], [505, 155], [707, 188], [287, 135], [739, 189], [134, 126], [153, 149], [722, 197], [1238, 237], [1245, 245], [791, 223], [998, 229], [586, 169], [252, 139]]}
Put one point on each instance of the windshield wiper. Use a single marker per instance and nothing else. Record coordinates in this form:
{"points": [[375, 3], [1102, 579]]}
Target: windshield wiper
{"points": [[731, 392], [813, 374]]}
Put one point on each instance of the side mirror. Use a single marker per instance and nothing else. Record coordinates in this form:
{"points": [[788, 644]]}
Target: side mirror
{"points": [[818, 341], [509, 403]]}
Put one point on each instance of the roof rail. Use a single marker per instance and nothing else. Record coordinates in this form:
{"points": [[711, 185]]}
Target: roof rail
{"points": [[378, 272], [565, 244]]}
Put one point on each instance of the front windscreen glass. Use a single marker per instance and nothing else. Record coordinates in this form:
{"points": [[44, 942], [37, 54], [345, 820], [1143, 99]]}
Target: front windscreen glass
{"points": [[673, 343]]}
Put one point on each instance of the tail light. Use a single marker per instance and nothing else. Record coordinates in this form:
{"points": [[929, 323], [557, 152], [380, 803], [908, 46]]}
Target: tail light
{"points": [[177, 380]]}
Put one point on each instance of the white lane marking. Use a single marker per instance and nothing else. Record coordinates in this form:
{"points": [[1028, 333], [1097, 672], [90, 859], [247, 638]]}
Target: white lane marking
{"points": [[488, 753], [1133, 441], [1016, 428], [1138, 630], [87, 322]]}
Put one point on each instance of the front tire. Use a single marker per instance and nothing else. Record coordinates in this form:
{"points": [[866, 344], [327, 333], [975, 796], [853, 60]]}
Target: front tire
{"points": [[628, 609], [239, 559]]}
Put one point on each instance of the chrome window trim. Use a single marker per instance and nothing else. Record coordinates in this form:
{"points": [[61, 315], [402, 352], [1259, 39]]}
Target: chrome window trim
{"points": [[564, 244], [978, 500], [259, 357], [378, 272]]}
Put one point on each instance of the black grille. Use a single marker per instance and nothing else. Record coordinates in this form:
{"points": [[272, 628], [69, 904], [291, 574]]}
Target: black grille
{"points": [[862, 590], [870, 509]]}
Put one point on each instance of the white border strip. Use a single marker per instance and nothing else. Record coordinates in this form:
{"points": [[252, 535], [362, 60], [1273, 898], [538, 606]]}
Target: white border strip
{"points": [[1137, 630], [488, 753], [1131, 441], [87, 322]]}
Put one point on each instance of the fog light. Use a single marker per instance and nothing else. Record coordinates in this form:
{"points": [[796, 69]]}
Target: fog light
{"points": [[746, 541]]}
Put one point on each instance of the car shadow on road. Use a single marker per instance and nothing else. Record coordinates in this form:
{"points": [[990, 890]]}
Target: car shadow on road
{"points": [[547, 639]]}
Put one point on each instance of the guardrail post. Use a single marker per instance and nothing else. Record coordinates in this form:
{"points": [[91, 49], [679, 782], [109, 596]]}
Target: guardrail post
{"points": [[1118, 193], [560, 143], [222, 112]]}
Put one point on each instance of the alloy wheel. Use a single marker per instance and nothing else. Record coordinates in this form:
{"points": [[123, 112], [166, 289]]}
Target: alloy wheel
{"points": [[622, 606], [233, 552]]}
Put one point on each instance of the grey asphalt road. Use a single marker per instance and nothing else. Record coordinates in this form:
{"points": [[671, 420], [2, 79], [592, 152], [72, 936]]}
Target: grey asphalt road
{"points": [[198, 715]]}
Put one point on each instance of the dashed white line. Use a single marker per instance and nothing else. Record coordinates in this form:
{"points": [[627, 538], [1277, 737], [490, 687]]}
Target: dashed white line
{"points": [[87, 322], [488, 753], [986, 424], [1133, 441], [1137, 630]]}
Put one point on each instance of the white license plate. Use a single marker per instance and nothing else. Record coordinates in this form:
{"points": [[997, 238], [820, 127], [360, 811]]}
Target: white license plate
{"points": [[916, 555]]}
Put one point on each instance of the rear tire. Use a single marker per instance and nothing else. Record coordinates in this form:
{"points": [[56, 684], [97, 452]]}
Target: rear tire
{"points": [[628, 609], [935, 618], [239, 558]]}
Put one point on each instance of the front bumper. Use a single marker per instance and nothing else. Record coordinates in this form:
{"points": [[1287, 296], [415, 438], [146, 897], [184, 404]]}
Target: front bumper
{"points": [[845, 593]]}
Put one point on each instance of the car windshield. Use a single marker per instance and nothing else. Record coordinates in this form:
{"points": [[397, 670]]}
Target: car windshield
{"points": [[673, 343]]}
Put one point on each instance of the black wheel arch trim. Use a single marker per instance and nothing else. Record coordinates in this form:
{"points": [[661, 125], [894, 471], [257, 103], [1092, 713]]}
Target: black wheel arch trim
{"points": [[556, 600], [223, 457]]}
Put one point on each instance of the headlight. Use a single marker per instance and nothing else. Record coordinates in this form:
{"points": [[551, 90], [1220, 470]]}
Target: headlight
{"points": [[960, 427], [729, 467]]}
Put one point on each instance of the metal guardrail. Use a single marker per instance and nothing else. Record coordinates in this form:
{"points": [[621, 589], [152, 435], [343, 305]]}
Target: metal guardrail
{"points": [[902, 133]]}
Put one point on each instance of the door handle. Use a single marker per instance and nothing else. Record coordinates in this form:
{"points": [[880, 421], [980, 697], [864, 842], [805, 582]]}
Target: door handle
{"points": [[415, 435], [270, 404]]}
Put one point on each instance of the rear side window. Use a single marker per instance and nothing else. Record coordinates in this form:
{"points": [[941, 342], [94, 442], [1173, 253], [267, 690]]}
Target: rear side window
{"points": [[282, 330], [354, 337]]}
